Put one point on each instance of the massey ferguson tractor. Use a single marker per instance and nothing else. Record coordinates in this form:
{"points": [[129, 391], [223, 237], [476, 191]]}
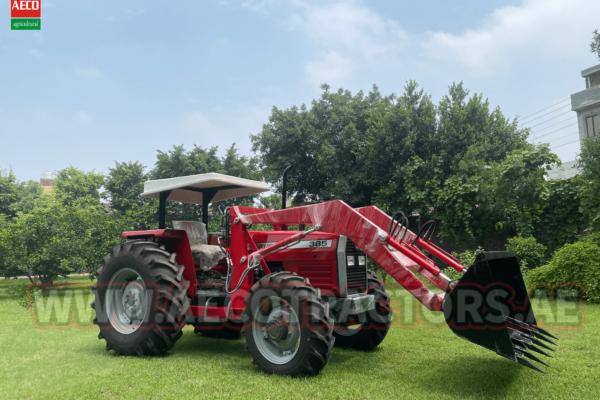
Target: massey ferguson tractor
{"points": [[293, 294]]}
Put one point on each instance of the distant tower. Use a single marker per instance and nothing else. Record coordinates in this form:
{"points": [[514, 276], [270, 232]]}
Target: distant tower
{"points": [[47, 182]]}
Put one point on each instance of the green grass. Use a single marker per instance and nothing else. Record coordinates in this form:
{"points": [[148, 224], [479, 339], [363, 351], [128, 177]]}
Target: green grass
{"points": [[412, 362]]}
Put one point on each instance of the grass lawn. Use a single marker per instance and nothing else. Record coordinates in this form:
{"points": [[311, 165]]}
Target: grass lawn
{"points": [[418, 359]]}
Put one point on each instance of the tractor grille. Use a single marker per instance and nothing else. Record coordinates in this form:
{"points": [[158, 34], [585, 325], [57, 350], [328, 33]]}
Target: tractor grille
{"points": [[356, 276]]}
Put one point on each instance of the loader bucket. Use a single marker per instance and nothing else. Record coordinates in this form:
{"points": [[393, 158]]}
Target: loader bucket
{"points": [[489, 306]]}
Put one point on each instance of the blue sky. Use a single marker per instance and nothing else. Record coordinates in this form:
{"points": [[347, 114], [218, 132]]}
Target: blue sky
{"points": [[117, 80]]}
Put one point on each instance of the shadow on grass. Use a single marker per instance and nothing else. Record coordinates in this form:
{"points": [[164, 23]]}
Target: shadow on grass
{"points": [[475, 377], [196, 345]]}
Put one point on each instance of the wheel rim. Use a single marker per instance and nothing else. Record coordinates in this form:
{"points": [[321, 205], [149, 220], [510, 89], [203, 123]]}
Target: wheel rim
{"points": [[276, 330], [126, 301]]}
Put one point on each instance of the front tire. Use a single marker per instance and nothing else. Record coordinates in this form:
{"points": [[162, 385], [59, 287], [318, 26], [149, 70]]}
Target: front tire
{"points": [[287, 326], [140, 299], [375, 323]]}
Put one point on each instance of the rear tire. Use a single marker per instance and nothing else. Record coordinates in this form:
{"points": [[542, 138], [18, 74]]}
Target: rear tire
{"points": [[376, 322], [140, 299], [287, 326]]}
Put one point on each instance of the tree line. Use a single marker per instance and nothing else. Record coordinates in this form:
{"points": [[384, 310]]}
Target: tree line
{"points": [[44, 236], [459, 162]]}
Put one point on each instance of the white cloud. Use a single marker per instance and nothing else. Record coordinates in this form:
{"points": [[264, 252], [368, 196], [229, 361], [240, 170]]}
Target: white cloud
{"points": [[191, 100], [333, 69], [348, 27], [199, 127], [196, 122], [83, 116], [36, 53], [255, 5], [348, 36], [89, 73], [546, 28]]}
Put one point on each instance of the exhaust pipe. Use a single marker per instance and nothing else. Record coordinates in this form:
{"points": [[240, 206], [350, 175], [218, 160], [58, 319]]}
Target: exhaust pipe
{"points": [[284, 192], [489, 306]]}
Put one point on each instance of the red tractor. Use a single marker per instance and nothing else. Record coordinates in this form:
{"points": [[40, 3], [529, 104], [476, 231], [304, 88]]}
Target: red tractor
{"points": [[294, 294]]}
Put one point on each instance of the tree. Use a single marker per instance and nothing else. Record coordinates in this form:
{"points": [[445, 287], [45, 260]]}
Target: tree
{"points": [[562, 218], [8, 192], [57, 241], [595, 44], [270, 202], [124, 185], [449, 177], [401, 153], [29, 195], [589, 163], [180, 162], [521, 192], [75, 187], [324, 144]]}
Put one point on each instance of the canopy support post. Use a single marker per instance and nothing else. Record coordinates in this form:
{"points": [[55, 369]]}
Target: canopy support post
{"points": [[207, 196], [162, 209]]}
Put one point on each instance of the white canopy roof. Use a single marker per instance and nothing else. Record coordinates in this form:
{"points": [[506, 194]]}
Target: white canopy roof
{"points": [[189, 189]]}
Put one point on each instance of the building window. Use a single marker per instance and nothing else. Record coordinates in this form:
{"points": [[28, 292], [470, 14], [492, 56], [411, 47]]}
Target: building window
{"points": [[593, 124]]}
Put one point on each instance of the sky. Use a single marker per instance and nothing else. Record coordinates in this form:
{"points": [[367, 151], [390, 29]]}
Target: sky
{"points": [[107, 81]]}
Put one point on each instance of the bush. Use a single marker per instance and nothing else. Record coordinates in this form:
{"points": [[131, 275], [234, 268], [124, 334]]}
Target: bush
{"points": [[530, 253], [25, 295], [58, 241], [577, 263]]}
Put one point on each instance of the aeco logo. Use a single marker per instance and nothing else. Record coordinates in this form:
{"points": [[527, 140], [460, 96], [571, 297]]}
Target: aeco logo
{"points": [[25, 14]]}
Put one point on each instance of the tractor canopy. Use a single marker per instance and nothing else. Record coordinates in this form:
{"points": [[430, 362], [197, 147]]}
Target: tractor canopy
{"points": [[200, 189], [203, 188]]}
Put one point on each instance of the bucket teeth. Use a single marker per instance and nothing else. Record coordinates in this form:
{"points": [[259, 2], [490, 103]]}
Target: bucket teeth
{"points": [[533, 348], [544, 338], [545, 332], [537, 342], [526, 363], [534, 358], [518, 323]]}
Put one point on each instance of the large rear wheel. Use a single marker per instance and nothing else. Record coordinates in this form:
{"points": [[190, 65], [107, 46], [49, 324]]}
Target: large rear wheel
{"points": [[140, 299], [370, 328], [287, 326]]}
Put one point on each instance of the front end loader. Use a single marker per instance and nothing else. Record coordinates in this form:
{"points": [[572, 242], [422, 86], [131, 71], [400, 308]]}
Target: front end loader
{"points": [[294, 294]]}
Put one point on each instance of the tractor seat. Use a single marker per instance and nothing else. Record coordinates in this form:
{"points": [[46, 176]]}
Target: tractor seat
{"points": [[205, 256]]}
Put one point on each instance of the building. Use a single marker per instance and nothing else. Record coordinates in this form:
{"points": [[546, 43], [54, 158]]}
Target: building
{"points": [[587, 106], [566, 170], [47, 182]]}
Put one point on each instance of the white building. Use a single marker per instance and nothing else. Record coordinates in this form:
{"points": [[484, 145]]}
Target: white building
{"points": [[587, 106]]}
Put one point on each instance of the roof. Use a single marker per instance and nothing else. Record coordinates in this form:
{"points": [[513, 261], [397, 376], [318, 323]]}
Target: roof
{"points": [[192, 188], [589, 71]]}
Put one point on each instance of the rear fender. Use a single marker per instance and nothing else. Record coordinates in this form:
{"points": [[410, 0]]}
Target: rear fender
{"points": [[183, 251]]}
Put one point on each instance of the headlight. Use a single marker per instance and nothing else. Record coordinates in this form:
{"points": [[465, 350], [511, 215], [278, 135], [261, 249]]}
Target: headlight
{"points": [[350, 261], [362, 260]]}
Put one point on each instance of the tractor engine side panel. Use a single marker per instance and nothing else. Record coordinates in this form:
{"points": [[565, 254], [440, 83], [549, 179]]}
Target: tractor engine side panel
{"points": [[313, 258]]}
